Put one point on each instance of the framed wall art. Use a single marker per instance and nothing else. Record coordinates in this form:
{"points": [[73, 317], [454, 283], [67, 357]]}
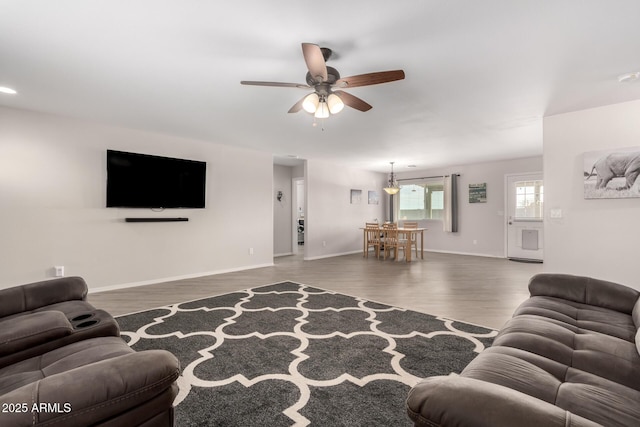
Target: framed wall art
{"points": [[374, 198], [612, 174], [478, 193]]}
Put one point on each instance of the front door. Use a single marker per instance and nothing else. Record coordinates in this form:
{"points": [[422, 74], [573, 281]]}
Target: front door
{"points": [[525, 207]]}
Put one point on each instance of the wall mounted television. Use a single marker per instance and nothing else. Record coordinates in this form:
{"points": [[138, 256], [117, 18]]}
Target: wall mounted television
{"points": [[145, 181]]}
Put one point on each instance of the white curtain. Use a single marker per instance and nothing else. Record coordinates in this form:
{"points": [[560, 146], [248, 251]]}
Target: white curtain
{"points": [[450, 223]]}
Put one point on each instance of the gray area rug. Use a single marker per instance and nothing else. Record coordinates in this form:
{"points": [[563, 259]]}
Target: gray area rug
{"points": [[289, 354]]}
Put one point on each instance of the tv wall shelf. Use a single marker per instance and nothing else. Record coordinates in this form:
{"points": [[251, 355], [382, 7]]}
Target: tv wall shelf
{"points": [[175, 219]]}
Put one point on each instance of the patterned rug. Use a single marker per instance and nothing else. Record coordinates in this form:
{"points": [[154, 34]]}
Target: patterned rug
{"points": [[289, 354]]}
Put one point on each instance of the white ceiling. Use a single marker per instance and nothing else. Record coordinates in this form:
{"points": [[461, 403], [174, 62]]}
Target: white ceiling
{"points": [[480, 75]]}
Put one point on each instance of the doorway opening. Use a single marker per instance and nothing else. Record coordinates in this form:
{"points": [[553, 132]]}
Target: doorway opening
{"points": [[289, 207], [298, 215]]}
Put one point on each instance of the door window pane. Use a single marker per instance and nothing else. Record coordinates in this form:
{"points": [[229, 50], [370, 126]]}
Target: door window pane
{"points": [[529, 200]]}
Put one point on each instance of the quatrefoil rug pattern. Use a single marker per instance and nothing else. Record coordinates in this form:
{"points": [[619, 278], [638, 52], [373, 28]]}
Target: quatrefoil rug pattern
{"points": [[288, 354]]}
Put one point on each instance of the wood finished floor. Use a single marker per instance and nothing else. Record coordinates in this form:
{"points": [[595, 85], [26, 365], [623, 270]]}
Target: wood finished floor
{"points": [[479, 290]]}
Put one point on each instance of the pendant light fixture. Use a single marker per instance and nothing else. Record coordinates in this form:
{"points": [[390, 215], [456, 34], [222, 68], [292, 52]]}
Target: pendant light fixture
{"points": [[392, 188]]}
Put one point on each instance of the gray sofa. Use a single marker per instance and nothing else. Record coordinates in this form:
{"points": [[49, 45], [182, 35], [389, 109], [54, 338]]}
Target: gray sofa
{"points": [[570, 356], [62, 363]]}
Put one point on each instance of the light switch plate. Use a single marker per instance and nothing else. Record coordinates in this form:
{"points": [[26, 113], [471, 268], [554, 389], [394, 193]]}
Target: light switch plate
{"points": [[556, 213]]}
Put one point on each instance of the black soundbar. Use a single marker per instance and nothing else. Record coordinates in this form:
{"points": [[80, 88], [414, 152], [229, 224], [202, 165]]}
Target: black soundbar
{"points": [[176, 219]]}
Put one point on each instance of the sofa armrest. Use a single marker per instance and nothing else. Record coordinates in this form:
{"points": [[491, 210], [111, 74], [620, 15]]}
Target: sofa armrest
{"points": [[40, 294], [460, 401], [33, 329], [585, 290], [93, 393]]}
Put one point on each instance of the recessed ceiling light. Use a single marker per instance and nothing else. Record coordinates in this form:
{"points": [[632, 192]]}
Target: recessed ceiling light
{"points": [[630, 77], [7, 90]]}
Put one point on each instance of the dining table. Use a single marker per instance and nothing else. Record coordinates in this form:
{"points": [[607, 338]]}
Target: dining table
{"points": [[409, 233]]}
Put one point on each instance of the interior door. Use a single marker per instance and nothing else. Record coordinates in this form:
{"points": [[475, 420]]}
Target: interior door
{"points": [[525, 208]]}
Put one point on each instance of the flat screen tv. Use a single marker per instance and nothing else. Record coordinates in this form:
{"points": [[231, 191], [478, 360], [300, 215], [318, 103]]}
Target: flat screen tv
{"points": [[145, 181]]}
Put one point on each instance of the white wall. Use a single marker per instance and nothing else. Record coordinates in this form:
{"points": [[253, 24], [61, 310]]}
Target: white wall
{"points": [[52, 206], [330, 216], [282, 210], [597, 238], [482, 222]]}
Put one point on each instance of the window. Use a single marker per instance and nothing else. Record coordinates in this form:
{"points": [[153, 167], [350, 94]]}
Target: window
{"points": [[422, 201], [529, 200]]}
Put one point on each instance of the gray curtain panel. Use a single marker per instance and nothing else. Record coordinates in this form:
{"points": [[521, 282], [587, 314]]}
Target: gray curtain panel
{"points": [[450, 223]]}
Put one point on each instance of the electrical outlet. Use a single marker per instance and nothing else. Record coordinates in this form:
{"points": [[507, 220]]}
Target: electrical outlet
{"points": [[59, 270], [475, 242], [324, 243], [250, 251]]}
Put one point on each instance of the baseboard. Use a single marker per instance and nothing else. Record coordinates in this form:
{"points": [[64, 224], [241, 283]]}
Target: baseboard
{"points": [[359, 251], [174, 278], [463, 253]]}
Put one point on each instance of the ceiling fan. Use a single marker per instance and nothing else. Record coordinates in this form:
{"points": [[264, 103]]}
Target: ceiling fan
{"points": [[327, 97]]}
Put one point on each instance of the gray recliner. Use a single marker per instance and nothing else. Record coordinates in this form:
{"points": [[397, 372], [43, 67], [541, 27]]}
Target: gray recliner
{"points": [[62, 363], [42, 316]]}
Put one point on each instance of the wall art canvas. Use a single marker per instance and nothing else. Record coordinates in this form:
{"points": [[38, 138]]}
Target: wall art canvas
{"points": [[478, 193], [356, 197], [612, 174], [374, 198]]}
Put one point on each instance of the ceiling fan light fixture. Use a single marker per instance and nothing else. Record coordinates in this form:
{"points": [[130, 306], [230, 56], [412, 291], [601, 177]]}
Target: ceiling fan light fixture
{"points": [[310, 103], [335, 103], [322, 79], [323, 111]]}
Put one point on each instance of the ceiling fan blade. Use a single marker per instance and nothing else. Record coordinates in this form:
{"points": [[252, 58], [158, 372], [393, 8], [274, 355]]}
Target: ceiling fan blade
{"points": [[370, 79], [315, 61], [297, 106], [275, 84], [353, 101]]}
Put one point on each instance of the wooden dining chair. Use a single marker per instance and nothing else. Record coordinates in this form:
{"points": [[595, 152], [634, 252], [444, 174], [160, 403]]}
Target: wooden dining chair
{"points": [[393, 241], [413, 242], [372, 229]]}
